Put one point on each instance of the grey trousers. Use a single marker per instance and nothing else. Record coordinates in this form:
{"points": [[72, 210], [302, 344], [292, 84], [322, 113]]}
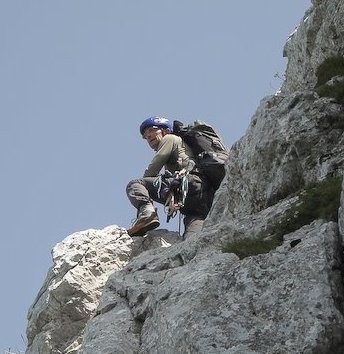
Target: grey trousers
{"points": [[144, 190], [192, 226]]}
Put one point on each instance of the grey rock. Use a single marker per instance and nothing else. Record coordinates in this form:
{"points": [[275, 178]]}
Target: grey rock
{"points": [[318, 37], [341, 212], [287, 301], [81, 265], [291, 141], [69, 297]]}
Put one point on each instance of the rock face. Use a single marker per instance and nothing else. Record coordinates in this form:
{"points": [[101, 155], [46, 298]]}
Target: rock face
{"points": [[319, 36], [292, 141], [287, 301], [82, 263], [109, 293], [70, 294]]}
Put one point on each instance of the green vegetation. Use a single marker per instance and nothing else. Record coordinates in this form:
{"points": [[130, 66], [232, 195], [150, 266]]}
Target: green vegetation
{"points": [[249, 247], [317, 201], [331, 67]]}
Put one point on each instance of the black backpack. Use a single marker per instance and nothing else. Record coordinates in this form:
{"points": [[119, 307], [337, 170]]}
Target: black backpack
{"points": [[208, 148]]}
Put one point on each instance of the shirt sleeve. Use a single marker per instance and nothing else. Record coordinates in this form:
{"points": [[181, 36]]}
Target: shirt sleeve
{"points": [[161, 157]]}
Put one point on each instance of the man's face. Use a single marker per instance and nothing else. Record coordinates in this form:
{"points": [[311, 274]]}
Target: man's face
{"points": [[153, 135]]}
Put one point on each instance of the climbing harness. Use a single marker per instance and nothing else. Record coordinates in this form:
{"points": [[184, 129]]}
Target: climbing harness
{"points": [[178, 191], [175, 192]]}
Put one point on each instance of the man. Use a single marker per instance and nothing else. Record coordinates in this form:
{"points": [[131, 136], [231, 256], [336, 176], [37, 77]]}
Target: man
{"points": [[172, 155]]}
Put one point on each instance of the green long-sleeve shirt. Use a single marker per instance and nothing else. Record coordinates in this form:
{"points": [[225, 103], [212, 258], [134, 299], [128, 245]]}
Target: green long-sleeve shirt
{"points": [[172, 153]]}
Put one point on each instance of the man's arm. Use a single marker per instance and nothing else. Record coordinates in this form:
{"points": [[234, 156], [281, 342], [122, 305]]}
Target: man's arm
{"points": [[161, 157]]}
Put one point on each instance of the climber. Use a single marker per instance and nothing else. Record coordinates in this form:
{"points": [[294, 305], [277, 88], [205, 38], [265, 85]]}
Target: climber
{"points": [[171, 156]]}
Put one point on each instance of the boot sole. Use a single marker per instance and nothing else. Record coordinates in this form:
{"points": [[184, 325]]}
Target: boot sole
{"points": [[141, 231]]}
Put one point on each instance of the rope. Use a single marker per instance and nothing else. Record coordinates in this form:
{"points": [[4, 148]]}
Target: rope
{"points": [[179, 225]]}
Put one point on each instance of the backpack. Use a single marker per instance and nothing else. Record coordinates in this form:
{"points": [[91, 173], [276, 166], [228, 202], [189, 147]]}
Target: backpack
{"points": [[209, 150]]}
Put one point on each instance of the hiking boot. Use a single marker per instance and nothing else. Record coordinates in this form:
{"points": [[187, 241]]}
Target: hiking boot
{"points": [[147, 219]]}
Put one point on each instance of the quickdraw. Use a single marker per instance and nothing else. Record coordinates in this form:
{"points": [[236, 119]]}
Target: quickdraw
{"points": [[179, 190], [176, 198]]}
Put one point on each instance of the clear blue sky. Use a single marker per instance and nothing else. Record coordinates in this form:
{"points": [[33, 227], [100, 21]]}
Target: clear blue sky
{"points": [[76, 80]]}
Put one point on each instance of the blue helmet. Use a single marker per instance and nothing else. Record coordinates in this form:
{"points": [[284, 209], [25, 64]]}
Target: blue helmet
{"points": [[158, 122]]}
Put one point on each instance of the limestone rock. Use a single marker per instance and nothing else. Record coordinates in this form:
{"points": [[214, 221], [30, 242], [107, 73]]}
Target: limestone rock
{"points": [[82, 263], [341, 212], [319, 36], [286, 301], [291, 141]]}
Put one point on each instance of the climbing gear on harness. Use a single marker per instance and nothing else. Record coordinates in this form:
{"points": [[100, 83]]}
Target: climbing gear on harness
{"points": [[147, 219], [178, 190], [176, 197], [161, 189]]}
